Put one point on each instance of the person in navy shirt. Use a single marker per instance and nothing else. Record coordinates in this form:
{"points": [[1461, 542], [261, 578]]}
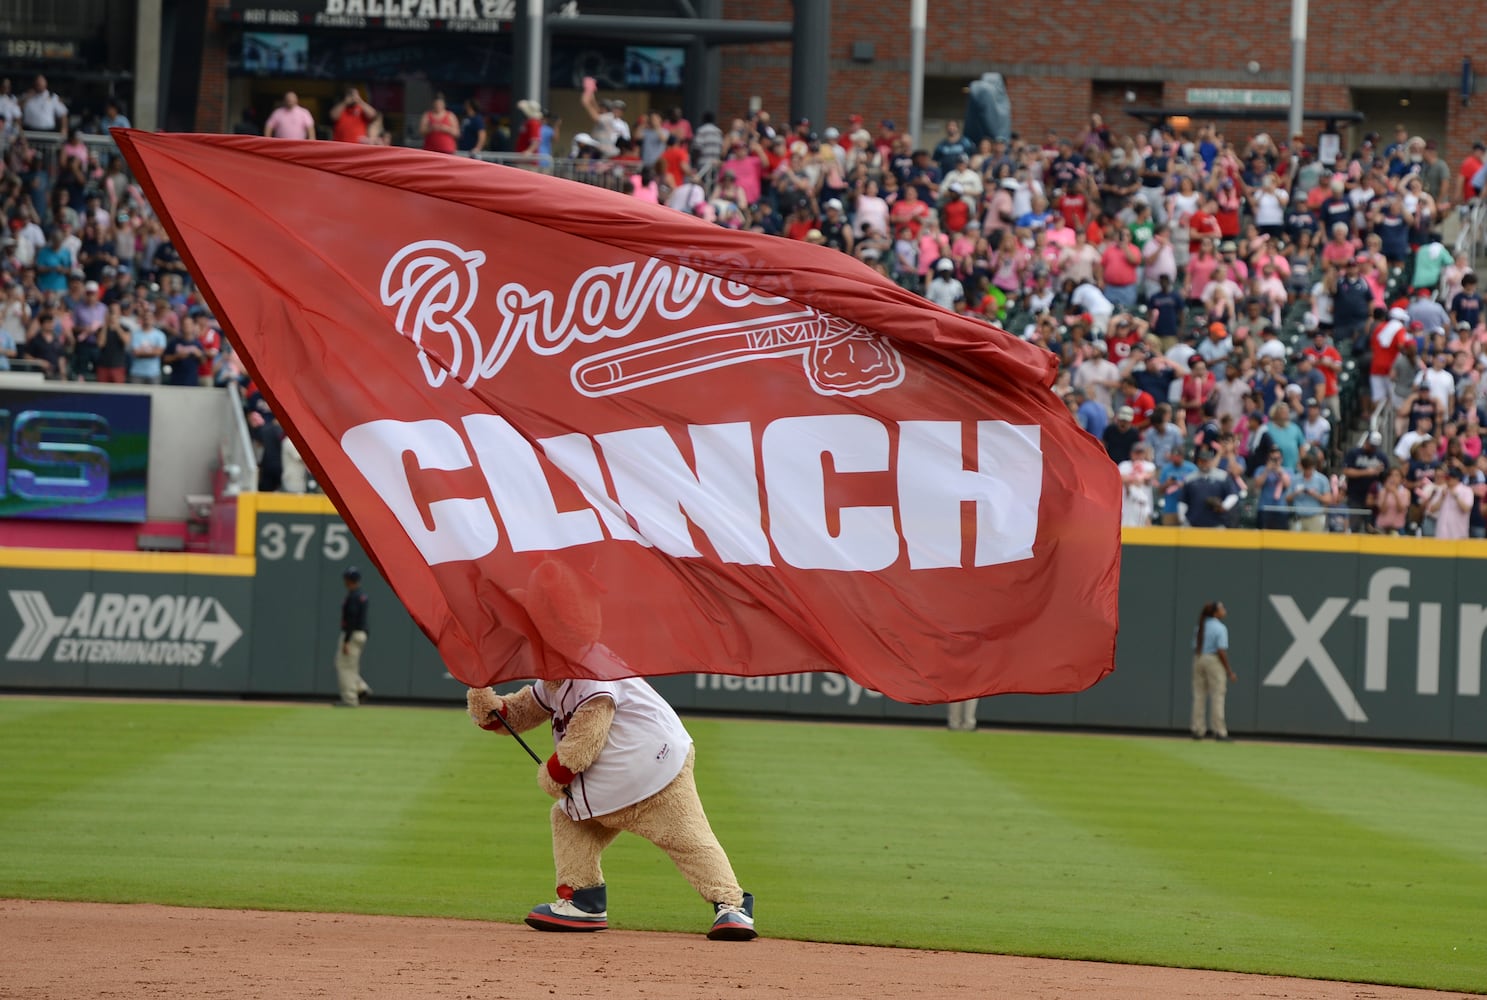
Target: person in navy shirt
{"points": [[1466, 305]]}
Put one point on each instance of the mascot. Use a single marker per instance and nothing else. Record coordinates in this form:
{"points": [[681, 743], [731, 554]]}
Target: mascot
{"points": [[623, 762]]}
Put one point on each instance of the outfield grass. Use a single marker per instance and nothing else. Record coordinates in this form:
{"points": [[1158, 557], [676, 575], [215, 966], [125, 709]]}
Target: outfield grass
{"points": [[1317, 861]]}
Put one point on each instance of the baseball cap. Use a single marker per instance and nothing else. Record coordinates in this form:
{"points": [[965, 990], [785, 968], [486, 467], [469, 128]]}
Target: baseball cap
{"points": [[831, 132], [351, 573], [90, 286], [1463, 325], [1217, 328], [1416, 325], [815, 236], [1312, 401], [834, 203], [956, 189], [1361, 258], [944, 264], [1375, 438], [1227, 247], [1125, 413]]}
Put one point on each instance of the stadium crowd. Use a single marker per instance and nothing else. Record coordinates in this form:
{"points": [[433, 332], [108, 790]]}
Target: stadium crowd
{"points": [[1256, 337]]}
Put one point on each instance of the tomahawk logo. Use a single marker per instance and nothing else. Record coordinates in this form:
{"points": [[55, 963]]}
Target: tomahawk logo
{"points": [[432, 285], [167, 630]]}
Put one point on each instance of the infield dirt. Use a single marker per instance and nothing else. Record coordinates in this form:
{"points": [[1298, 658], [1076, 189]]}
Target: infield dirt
{"points": [[61, 951]]}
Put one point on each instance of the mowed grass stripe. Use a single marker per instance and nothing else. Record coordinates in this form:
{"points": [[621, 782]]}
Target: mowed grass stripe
{"points": [[1428, 798], [278, 814], [1347, 900], [1061, 844], [938, 846], [49, 747]]}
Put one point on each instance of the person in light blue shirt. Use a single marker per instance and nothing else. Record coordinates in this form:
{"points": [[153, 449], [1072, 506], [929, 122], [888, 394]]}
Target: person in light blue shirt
{"points": [[1286, 435], [1211, 672], [1170, 477], [1091, 415], [1310, 495], [147, 348]]}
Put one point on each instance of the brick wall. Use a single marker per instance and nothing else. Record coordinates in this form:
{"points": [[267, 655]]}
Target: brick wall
{"points": [[1052, 52], [211, 99]]}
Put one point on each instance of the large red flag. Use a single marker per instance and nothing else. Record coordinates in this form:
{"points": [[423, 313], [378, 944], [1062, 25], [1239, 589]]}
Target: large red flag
{"points": [[584, 436]]}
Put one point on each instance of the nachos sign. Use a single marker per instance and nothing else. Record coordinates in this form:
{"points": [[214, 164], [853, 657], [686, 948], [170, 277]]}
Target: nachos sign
{"points": [[584, 436]]}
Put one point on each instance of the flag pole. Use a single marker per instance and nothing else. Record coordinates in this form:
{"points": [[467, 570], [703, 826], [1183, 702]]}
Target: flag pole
{"points": [[530, 753]]}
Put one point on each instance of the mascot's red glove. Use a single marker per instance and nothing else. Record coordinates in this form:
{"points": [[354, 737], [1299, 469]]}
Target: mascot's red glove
{"points": [[553, 777]]}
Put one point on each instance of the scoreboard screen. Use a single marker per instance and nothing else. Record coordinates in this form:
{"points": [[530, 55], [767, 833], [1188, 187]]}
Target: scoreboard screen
{"points": [[82, 456]]}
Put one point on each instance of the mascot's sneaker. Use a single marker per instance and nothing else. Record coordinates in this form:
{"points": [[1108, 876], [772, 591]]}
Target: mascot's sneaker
{"points": [[574, 910], [734, 923]]}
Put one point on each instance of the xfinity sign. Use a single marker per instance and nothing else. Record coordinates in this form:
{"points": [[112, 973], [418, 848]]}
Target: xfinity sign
{"points": [[163, 630], [1379, 610]]}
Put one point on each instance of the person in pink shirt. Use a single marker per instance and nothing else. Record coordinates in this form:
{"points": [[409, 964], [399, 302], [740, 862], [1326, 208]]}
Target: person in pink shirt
{"points": [[1451, 503], [1201, 266], [290, 120]]}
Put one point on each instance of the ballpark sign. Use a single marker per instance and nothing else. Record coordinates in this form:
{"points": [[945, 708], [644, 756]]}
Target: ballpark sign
{"points": [[169, 630]]}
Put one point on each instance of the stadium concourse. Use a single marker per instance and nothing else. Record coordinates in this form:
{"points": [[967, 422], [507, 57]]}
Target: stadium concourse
{"points": [[1259, 339]]}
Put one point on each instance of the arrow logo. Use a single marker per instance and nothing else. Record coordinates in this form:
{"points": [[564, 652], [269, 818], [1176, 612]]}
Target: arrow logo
{"points": [[223, 633], [38, 625]]}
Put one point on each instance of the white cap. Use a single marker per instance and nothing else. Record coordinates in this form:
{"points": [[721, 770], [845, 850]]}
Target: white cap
{"points": [[834, 203], [1375, 438], [944, 264], [831, 132], [1399, 314]]}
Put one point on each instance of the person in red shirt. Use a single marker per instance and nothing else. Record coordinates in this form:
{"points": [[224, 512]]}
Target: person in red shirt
{"points": [[351, 116], [1469, 168], [956, 212], [909, 211], [675, 160], [1121, 337], [1141, 402], [1329, 362], [439, 127], [1074, 207], [1204, 224], [1386, 340]]}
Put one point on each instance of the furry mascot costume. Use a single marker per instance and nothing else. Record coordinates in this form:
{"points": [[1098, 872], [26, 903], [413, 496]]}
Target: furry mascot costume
{"points": [[623, 762]]}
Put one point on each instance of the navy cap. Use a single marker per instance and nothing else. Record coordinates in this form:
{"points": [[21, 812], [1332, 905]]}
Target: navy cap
{"points": [[352, 573]]}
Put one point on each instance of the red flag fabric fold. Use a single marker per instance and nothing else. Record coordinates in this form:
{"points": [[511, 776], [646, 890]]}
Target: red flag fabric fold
{"points": [[583, 436]]}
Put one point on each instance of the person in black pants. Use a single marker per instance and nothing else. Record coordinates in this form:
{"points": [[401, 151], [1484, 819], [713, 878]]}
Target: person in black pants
{"points": [[353, 641]]}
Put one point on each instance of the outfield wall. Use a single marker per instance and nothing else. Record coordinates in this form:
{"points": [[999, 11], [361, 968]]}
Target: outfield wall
{"points": [[1332, 635]]}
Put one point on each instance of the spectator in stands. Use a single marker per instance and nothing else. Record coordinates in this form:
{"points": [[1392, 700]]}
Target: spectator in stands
{"points": [[290, 120], [1121, 436], [473, 136], [1273, 486], [113, 348], [439, 127], [1138, 477], [1390, 503], [1450, 502], [1210, 494], [10, 112], [147, 351], [1171, 476], [1310, 496], [186, 354], [42, 110], [351, 117], [1286, 436]]}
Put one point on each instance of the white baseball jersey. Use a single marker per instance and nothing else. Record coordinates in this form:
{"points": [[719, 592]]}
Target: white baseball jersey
{"points": [[647, 744]]}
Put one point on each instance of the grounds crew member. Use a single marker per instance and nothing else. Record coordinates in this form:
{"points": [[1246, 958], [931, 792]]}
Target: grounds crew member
{"points": [[353, 641]]}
